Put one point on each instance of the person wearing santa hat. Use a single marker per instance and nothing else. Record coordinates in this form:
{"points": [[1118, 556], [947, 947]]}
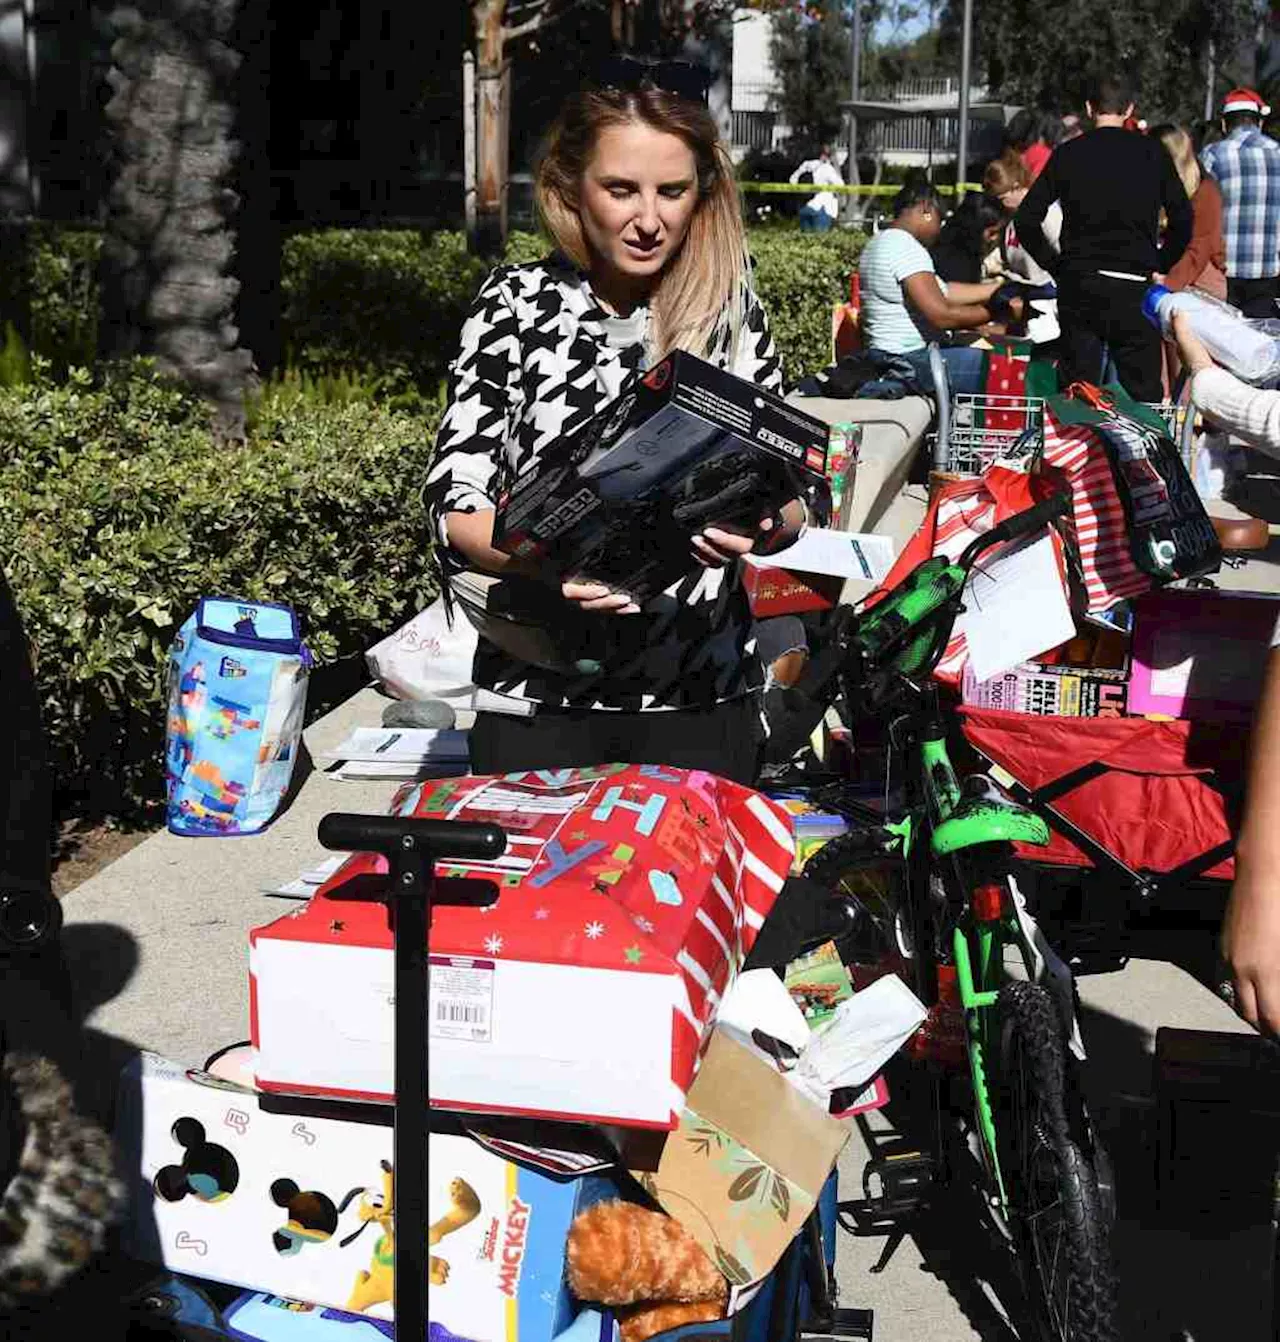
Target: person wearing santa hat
{"points": [[1246, 166]]}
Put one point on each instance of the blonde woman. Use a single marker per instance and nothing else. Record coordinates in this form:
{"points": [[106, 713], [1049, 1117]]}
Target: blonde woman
{"points": [[637, 192], [1203, 264]]}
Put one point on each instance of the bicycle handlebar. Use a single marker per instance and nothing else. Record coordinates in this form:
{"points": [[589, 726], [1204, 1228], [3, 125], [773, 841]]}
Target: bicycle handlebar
{"points": [[1021, 524]]}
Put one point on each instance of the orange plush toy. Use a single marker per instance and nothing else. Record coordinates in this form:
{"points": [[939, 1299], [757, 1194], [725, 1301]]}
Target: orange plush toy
{"points": [[624, 1255]]}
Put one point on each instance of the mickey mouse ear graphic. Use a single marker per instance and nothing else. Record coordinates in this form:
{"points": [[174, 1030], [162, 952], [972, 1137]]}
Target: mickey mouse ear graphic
{"points": [[1245, 100]]}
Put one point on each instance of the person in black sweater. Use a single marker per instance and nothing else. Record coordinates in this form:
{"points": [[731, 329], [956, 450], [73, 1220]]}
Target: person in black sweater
{"points": [[1112, 184]]}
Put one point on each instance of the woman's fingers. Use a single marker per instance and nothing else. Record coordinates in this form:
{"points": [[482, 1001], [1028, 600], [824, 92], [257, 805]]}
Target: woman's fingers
{"points": [[707, 555], [1246, 1002], [727, 544], [596, 596]]}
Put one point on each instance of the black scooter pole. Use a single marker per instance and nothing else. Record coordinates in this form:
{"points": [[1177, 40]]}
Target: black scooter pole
{"points": [[411, 846]]}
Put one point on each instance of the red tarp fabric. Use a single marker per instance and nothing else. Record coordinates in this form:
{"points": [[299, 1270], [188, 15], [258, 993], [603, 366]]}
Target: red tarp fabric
{"points": [[1154, 808]]}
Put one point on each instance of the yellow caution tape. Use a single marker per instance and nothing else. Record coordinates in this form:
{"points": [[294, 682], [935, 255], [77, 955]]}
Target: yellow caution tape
{"points": [[844, 189]]}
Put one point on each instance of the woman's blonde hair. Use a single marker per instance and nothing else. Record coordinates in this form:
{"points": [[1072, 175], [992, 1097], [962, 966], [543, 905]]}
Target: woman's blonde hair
{"points": [[701, 287], [1183, 152], [1006, 173]]}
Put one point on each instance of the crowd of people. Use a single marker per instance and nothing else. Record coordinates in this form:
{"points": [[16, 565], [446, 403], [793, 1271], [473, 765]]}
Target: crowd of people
{"points": [[1088, 218]]}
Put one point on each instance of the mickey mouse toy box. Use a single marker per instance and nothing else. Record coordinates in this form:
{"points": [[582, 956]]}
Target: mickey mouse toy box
{"points": [[686, 447], [303, 1208]]}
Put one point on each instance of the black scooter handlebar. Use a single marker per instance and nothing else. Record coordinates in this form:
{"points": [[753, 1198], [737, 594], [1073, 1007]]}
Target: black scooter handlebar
{"points": [[390, 834]]}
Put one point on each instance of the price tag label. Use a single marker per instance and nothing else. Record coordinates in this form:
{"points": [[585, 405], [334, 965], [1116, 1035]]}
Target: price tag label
{"points": [[460, 999]]}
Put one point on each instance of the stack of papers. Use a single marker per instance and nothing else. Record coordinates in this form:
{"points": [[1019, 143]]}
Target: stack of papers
{"points": [[304, 886], [399, 752]]}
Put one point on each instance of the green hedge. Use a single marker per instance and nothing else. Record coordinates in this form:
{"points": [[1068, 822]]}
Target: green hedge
{"points": [[394, 300], [798, 277], [388, 303], [119, 512]]}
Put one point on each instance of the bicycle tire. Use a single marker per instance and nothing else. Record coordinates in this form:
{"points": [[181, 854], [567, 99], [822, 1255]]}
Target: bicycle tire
{"points": [[849, 865], [1045, 1153]]}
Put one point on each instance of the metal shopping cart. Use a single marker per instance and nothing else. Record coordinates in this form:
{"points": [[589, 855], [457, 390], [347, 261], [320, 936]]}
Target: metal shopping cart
{"points": [[983, 428]]}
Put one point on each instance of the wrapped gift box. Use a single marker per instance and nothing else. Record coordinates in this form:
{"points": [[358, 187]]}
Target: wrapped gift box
{"points": [[225, 1190], [623, 906], [1201, 655], [812, 573]]}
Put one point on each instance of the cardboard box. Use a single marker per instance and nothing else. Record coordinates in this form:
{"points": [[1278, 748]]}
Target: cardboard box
{"points": [[1201, 655], [812, 574], [688, 446], [223, 1189], [1051, 691], [744, 1168], [621, 911], [782, 591]]}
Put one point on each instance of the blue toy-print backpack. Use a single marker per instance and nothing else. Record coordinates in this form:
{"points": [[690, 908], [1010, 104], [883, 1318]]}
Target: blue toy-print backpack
{"points": [[237, 694]]}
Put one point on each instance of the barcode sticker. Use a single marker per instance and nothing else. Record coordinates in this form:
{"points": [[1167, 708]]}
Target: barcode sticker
{"points": [[460, 999]]}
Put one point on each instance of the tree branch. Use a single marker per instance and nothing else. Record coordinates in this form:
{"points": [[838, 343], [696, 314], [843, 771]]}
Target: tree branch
{"points": [[543, 18]]}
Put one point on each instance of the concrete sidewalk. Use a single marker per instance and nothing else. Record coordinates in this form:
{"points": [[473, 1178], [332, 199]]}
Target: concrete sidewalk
{"points": [[158, 941], [158, 944]]}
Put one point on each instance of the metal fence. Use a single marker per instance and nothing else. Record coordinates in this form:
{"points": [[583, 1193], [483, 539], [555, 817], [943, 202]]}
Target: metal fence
{"points": [[756, 123]]}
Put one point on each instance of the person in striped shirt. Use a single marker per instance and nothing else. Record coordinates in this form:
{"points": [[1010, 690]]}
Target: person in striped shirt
{"points": [[1246, 166]]}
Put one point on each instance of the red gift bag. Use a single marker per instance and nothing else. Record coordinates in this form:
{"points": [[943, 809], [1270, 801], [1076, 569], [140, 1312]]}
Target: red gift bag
{"points": [[962, 510], [1101, 531]]}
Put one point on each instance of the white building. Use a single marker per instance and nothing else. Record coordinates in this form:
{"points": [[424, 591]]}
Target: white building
{"points": [[756, 124]]}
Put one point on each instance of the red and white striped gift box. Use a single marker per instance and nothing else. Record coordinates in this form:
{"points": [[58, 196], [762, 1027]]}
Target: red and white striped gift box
{"points": [[626, 901], [1101, 529]]}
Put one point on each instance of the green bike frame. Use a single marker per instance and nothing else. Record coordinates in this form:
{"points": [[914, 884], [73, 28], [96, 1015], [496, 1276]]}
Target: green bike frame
{"points": [[954, 824]]}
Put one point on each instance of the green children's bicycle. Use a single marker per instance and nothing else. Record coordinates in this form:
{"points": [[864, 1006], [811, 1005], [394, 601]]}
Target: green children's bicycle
{"points": [[942, 905]]}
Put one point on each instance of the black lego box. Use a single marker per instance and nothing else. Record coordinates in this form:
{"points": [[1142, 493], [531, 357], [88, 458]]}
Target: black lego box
{"points": [[685, 447]]}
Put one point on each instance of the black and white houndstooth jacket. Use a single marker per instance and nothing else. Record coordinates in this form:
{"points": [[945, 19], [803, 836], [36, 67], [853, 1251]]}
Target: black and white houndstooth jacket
{"points": [[539, 357]]}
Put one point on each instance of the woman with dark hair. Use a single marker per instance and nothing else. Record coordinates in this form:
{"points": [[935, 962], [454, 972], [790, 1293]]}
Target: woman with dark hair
{"points": [[905, 304], [1026, 133], [637, 192], [966, 239]]}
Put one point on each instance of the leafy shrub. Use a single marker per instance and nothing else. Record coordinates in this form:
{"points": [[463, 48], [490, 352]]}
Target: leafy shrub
{"points": [[389, 300], [382, 307], [798, 277], [64, 295], [119, 513], [395, 300]]}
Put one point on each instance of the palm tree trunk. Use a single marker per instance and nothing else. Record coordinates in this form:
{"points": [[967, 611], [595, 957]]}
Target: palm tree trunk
{"points": [[170, 230]]}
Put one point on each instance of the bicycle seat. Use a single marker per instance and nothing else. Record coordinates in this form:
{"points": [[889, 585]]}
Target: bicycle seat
{"points": [[1240, 535], [985, 814]]}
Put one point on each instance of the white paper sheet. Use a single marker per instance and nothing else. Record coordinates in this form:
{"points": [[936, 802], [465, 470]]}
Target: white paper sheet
{"points": [[1015, 608], [843, 554], [305, 885], [864, 1032], [400, 745]]}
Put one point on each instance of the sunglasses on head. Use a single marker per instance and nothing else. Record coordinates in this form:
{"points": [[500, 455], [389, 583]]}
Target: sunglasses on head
{"points": [[633, 73]]}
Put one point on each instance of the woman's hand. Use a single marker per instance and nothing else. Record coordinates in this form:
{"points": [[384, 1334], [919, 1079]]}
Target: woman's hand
{"points": [[1195, 357], [1251, 946], [595, 596], [714, 547]]}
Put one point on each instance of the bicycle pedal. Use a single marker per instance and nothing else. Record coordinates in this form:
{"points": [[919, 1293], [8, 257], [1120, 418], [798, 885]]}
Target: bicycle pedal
{"points": [[905, 1184], [856, 1323]]}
